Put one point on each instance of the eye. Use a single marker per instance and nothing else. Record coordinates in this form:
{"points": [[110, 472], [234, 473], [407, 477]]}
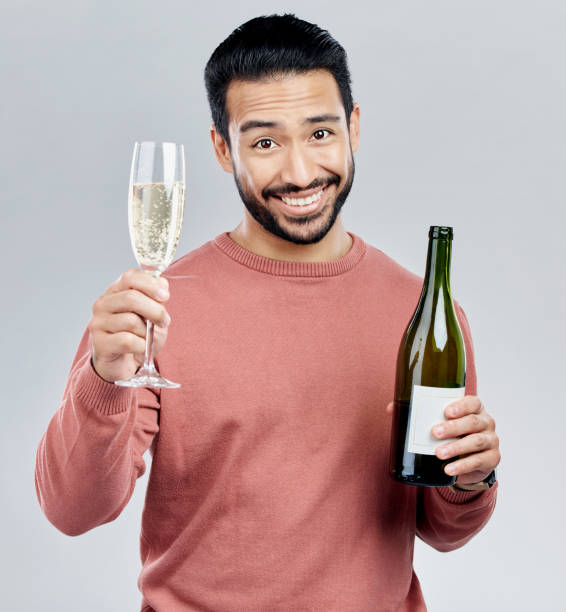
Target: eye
{"points": [[264, 143], [321, 134]]}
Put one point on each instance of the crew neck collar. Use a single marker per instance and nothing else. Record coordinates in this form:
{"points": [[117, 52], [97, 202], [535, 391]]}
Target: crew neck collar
{"points": [[279, 267]]}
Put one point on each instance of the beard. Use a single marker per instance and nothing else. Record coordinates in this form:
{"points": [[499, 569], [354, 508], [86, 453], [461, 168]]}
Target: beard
{"points": [[318, 224]]}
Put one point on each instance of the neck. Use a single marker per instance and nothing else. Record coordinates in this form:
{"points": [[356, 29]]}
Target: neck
{"points": [[437, 277], [334, 245]]}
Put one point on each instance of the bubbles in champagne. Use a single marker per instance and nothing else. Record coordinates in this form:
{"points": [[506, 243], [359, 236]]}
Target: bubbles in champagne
{"points": [[156, 217]]}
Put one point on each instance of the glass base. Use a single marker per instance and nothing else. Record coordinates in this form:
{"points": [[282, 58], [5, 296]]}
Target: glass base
{"points": [[148, 377]]}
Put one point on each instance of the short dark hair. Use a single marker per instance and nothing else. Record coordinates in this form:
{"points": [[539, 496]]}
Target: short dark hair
{"points": [[269, 46]]}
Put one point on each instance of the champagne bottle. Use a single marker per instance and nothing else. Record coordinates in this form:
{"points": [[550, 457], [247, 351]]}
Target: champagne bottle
{"points": [[431, 372]]}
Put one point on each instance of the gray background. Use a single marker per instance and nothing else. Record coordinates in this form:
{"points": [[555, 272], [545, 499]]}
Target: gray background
{"points": [[463, 123]]}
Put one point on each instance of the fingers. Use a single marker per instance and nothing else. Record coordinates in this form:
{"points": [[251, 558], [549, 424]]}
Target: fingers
{"points": [[128, 322], [124, 343], [131, 301], [389, 408], [470, 404], [473, 443], [156, 288], [136, 292], [474, 428], [484, 463], [477, 444], [468, 424]]}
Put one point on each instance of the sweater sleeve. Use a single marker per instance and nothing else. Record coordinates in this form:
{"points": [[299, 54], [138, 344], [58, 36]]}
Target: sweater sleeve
{"points": [[447, 519], [91, 454]]}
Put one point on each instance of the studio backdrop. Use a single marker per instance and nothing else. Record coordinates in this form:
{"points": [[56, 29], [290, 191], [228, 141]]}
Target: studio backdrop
{"points": [[463, 123]]}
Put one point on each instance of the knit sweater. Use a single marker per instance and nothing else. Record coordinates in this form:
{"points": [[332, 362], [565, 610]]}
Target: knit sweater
{"points": [[269, 487]]}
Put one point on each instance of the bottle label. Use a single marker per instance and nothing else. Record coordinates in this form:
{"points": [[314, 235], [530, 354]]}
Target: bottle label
{"points": [[427, 410]]}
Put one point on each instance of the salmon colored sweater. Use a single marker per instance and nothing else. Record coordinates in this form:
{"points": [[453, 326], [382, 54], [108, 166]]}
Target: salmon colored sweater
{"points": [[269, 486]]}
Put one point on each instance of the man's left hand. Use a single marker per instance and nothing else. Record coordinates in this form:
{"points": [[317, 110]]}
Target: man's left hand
{"points": [[477, 446]]}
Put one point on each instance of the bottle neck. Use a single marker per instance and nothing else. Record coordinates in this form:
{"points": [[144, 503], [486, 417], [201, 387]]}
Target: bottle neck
{"points": [[437, 276]]}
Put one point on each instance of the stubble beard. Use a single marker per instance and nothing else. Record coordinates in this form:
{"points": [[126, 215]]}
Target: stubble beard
{"points": [[315, 233]]}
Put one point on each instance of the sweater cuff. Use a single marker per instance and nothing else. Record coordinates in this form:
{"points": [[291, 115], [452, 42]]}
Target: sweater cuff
{"points": [[463, 497], [99, 394]]}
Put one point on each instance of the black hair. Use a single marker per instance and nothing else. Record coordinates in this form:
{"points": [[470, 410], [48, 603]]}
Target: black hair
{"points": [[270, 46]]}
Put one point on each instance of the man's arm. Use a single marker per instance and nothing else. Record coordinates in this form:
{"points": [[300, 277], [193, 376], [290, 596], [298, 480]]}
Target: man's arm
{"points": [[91, 454], [89, 458], [447, 519]]}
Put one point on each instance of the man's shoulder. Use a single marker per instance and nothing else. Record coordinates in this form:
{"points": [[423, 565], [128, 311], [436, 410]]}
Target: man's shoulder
{"points": [[199, 257], [390, 270]]}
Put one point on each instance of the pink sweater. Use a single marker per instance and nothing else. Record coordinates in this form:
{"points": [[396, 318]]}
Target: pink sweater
{"points": [[269, 486]]}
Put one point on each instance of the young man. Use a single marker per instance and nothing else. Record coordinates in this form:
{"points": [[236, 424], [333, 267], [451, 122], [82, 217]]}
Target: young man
{"points": [[269, 485]]}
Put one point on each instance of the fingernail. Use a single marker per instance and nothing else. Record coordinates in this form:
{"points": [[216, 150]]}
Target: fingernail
{"points": [[162, 294], [438, 430], [442, 452], [450, 469], [167, 319]]}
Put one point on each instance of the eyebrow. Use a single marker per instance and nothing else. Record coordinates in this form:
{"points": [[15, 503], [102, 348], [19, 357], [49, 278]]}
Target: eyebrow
{"points": [[322, 119], [254, 123]]}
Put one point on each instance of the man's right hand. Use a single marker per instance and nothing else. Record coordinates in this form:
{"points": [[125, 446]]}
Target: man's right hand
{"points": [[118, 323]]}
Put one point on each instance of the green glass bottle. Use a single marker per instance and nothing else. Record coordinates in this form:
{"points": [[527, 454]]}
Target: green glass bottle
{"points": [[431, 372]]}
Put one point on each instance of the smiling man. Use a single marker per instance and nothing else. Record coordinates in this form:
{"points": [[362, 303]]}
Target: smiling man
{"points": [[269, 485]]}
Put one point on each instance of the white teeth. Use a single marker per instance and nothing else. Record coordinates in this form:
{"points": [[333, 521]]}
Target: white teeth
{"points": [[303, 201]]}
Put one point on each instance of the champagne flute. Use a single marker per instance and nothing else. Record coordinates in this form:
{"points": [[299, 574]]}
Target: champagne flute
{"points": [[156, 202]]}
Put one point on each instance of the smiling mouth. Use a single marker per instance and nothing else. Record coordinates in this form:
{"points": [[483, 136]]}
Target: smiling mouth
{"points": [[313, 197], [302, 201], [305, 207]]}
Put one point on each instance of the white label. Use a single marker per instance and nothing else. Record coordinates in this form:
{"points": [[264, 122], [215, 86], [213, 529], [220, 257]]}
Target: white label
{"points": [[427, 410]]}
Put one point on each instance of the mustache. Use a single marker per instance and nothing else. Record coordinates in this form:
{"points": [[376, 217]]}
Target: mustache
{"points": [[289, 188]]}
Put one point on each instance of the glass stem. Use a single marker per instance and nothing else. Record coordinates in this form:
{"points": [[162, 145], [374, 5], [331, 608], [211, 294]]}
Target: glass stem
{"points": [[148, 360]]}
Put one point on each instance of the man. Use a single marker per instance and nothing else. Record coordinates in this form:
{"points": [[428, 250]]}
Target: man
{"points": [[269, 485]]}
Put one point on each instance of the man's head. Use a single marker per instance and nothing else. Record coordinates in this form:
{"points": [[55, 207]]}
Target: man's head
{"points": [[268, 46], [285, 123]]}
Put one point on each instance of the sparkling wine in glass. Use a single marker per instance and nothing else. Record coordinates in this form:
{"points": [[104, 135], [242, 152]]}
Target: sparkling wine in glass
{"points": [[156, 201]]}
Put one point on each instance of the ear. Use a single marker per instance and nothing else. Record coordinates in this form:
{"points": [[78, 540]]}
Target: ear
{"points": [[221, 150], [355, 127]]}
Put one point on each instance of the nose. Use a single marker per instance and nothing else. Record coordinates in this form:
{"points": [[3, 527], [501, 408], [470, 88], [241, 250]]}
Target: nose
{"points": [[299, 167]]}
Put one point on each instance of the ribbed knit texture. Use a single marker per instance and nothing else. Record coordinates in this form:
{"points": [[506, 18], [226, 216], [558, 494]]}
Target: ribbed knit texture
{"points": [[291, 268], [269, 485]]}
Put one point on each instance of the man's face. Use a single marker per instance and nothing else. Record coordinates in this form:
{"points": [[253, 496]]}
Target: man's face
{"points": [[291, 152]]}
